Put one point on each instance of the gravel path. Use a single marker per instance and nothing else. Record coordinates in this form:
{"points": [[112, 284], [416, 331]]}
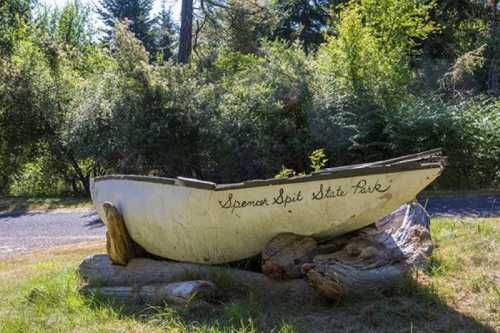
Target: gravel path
{"points": [[29, 231]]}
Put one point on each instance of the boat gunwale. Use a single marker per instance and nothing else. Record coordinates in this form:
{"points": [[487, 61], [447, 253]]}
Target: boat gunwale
{"points": [[420, 161]]}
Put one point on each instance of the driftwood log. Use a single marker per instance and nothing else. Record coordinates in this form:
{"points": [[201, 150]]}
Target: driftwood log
{"points": [[119, 246], [99, 271], [177, 293], [374, 257]]}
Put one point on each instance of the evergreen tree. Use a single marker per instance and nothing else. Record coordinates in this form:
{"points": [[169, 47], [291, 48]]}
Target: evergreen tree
{"points": [[302, 20], [237, 25], [164, 33], [137, 12]]}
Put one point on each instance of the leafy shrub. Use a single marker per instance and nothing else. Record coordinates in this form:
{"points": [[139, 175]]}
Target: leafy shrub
{"points": [[262, 114], [478, 160], [140, 118], [69, 109], [468, 131], [369, 56], [317, 159], [362, 71], [37, 178]]}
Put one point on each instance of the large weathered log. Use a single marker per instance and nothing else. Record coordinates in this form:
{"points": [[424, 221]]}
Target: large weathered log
{"points": [[177, 293], [376, 257], [119, 246], [98, 270]]}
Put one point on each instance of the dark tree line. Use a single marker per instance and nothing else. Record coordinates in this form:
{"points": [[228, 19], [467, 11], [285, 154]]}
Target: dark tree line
{"points": [[244, 88]]}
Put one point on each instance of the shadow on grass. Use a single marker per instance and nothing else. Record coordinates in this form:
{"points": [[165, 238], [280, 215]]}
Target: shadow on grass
{"points": [[407, 308]]}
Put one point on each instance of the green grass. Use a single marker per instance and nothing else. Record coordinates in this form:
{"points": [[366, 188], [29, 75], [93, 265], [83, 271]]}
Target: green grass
{"points": [[9, 204], [458, 293]]}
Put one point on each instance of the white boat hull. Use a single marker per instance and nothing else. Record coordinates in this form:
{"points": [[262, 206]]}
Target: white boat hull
{"points": [[205, 225]]}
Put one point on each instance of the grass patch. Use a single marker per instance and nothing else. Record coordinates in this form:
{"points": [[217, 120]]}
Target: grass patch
{"points": [[458, 293], [11, 204]]}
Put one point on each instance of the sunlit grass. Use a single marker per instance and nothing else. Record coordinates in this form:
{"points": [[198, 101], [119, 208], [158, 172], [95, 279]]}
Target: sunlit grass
{"points": [[458, 293]]}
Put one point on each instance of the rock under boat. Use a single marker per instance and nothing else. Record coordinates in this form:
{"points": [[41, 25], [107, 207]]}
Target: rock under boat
{"points": [[197, 221]]}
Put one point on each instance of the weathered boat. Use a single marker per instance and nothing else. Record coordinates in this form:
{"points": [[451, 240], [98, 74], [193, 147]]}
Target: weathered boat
{"points": [[197, 221]]}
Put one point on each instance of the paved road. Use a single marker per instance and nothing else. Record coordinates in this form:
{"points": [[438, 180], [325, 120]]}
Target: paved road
{"points": [[28, 231], [468, 205]]}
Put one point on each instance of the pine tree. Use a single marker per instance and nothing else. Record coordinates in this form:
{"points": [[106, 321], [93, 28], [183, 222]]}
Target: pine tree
{"points": [[164, 33], [138, 14], [302, 20]]}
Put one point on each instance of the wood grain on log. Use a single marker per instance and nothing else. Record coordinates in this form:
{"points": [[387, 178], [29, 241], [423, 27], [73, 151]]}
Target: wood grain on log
{"points": [[119, 246], [177, 293], [376, 257], [98, 270], [285, 254]]}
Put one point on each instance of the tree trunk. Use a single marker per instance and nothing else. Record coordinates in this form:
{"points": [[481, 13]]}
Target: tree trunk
{"points": [[186, 36], [493, 66], [120, 247], [80, 175], [177, 293]]}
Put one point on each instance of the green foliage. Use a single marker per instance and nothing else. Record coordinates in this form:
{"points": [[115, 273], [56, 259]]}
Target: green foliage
{"points": [[140, 118], [136, 12], [468, 131], [318, 159], [256, 97], [243, 25], [41, 78], [72, 26], [37, 178], [369, 55], [239, 26], [14, 23], [263, 114], [302, 21], [285, 173], [461, 28], [164, 34]]}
